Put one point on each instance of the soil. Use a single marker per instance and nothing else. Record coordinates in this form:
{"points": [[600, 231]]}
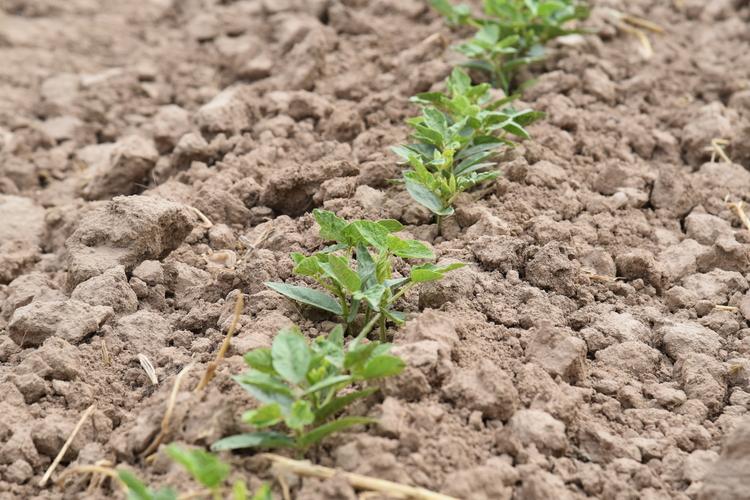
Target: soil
{"points": [[596, 345]]}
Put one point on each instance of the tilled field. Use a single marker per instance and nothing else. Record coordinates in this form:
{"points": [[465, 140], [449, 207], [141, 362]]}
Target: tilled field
{"points": [[158, 158]]}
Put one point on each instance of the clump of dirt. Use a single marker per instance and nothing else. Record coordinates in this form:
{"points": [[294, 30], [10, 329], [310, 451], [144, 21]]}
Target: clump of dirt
{"points": [[158, 159]]}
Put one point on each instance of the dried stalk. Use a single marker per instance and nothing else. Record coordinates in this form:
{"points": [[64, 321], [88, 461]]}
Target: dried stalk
{"points": [[648, 50], [356, 480], [148, 368], [214, 365], [89, 469], [65, 446], [726, 308], [168, 414], [737, 207], [593, 276], [97, 479], [206, 221], [105, 354], [716, 149], [634, 25], [642, 23]]}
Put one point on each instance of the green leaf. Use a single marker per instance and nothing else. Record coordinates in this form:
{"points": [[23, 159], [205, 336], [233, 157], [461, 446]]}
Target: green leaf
{"points": [[263, 493], [239, 490], [425, 98], [431, 272], [338, 269], [205, 467], [382, 366], [371, 233], [374, 295], [403, 152], [332, 347], [307, 296], [395, 316], [300, 415], [425, 197], [410, 249], [306, 266], [321, 432], [365, 265], [254, 440], [260, 359], [424, 275], [326, 383], [489, 34], [392, 225], [336, 337], [137, 490], [265, 416], [383, 268], [357, 355], [339, 403], [459, 14], [331, 226], [266, 388], [291, 355]]}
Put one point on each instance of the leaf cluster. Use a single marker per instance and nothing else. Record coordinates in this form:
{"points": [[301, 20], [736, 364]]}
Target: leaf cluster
{"points": [[357, 271], [455, 138], [203, 467], [513, 34], [304, 385]]}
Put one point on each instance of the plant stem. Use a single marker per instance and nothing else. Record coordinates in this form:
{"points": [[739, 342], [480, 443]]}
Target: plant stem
{"points": [[439, 219], [368, 327], [402, 291], [368, 312], [383, 337]]}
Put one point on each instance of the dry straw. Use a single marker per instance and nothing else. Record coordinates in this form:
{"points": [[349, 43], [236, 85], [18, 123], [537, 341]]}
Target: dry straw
{"points": [[214, 365], [65, 446], [394, 490], [168, 413]]}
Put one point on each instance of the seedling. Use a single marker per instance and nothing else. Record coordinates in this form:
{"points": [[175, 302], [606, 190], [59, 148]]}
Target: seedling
{"points": [[357, 271], [513, 35], [456, 137], [205, 468], [454, 14], [300, 385]]}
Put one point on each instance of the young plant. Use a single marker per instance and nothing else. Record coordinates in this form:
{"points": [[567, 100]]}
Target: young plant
{"points": [[456, 137], [205, 468], [357, 271], [513, 35], [303, 385], [454, 14]]}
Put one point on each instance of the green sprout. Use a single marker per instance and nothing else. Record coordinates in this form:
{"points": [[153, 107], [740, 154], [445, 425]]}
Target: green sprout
{"points": [[357, 272], [203, 467], [513, 35], [303, 386], [455, 138]]}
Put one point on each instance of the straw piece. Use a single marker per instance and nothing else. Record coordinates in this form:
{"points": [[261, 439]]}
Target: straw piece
{"points": [[65, 446], [168, 414], [214, 365], [356, 480]]}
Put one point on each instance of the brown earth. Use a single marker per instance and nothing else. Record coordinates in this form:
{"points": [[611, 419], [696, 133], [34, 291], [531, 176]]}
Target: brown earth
{"points": [[581, 353]]}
